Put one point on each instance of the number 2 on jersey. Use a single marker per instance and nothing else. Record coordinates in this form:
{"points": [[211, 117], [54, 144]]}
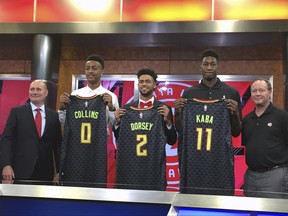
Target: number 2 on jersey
{"points": [[200, 138], [141, 142]]}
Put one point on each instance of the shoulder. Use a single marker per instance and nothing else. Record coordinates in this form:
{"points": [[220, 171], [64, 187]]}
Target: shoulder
{"points": [[134, 103], [229, 87], [280, 112], [110, 92], [230, 91], [80, 91], [20, 110], [157, 102], [104, 90], [21, 107], [190, 90], [51, 111], [247, 117]]}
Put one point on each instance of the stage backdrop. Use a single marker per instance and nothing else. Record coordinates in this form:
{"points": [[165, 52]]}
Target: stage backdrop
{"points": [[14, 90]]}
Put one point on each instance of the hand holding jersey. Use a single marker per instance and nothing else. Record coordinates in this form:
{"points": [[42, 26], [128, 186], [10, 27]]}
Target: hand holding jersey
{"points": [[142, 134]]}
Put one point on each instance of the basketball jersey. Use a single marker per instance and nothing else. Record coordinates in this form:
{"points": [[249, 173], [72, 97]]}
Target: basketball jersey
{"points": [[84, 154], [205, 148], [141, 160]]}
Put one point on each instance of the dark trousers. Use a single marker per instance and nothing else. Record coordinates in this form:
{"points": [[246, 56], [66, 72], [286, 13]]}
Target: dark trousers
{"points": [[35, 178]]}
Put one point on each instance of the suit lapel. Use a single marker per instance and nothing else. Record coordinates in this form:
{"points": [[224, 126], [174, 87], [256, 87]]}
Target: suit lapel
{"points": [[30, 119], [47, 113]]}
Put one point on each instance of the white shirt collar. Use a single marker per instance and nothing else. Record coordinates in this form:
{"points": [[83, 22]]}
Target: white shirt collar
{"points": [[35, 107], [151, 99]]}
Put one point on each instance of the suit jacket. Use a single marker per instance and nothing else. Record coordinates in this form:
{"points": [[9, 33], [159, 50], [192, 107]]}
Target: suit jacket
{"points": [[170, 134], [21, 147]]}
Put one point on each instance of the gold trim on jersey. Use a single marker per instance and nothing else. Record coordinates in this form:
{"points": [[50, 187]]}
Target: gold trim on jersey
{"points": [[205, 101], [86, 98]]}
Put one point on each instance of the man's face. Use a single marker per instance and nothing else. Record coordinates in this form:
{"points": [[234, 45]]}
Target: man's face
{"points": [[93, 71], [260, 94], [38, 92], [146, 85], [209, 68]]}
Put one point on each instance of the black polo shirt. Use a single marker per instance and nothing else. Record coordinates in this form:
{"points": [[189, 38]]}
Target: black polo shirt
{"points": [[220, 90], [265, 138]]}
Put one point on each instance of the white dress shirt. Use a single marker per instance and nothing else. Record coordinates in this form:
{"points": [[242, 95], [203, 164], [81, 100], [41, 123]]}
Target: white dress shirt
{"points": [[43, 115], [88, 92]]}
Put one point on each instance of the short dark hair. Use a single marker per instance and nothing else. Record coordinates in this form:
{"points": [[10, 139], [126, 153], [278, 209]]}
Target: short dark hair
{"points": [[147, 71], [95, 57], [210, 52]]}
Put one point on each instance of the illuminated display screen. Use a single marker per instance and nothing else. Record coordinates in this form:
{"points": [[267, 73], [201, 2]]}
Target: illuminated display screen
{"points": [[139, 10]]}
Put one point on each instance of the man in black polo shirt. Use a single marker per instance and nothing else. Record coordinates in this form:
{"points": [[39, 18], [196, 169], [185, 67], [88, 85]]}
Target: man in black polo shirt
{"points": [[210, 88], [265, 135]]}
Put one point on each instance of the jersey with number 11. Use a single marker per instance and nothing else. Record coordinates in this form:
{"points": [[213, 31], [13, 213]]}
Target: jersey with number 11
{"points": [[205, 148]]}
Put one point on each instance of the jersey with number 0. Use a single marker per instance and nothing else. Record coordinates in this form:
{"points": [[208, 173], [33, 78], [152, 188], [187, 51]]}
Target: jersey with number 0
{"points": [[84, 156], [141, 160], [205, 149]]}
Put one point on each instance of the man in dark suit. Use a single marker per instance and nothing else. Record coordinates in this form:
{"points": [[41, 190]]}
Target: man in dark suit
{"points": [[29, 153], [141, 157]]}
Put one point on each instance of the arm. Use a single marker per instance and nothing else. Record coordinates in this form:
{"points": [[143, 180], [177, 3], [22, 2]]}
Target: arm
{"points": [[235, 113], [62, 117], [57, 149], [111, 102], [6, 148], [178, 122], [116, 127], [64, 99], [235, 125], [243, 137], [57, 142], [179, 104], [169, 128]]}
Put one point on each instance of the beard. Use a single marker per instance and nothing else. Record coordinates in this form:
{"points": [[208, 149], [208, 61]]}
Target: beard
{"points": [[147, 93]]}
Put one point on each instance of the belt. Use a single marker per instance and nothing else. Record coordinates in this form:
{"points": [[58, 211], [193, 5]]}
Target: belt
{"points": [[271, 168]]}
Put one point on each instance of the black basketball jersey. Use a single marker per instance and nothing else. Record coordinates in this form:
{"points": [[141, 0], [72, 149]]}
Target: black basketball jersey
{"points": [[84, 154], [141, 158], [205, 149]]}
